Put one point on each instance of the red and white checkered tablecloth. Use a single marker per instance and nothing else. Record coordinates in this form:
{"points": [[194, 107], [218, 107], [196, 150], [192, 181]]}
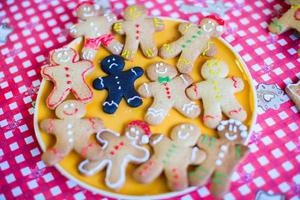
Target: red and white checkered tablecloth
{"points": [[40, 25]]}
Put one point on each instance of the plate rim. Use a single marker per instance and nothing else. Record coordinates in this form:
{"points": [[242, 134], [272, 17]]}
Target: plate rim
{"points": [[135, 197]]}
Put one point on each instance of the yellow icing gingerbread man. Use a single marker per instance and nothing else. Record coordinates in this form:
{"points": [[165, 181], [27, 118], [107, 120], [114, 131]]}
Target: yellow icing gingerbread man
{"points": [[139, 30], [217, 93], [194, 41]]}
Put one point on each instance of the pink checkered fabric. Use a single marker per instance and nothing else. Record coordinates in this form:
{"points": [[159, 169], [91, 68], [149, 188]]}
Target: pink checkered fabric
{"points": [[40, 25]]}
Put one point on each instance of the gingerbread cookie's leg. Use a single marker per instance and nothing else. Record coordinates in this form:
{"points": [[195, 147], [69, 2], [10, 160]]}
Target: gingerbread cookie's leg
{"points": [[157, 113], [132, 98], [148, 171], [177, 178], [111, 103], [57, 95], [212, 113], [56, 153], [170, 50], [148, 47], [220, 182], [233, 109], [82, 91], [187, 107], [88, 53], [186, 60], [115, 173], [130, 48], [91, 167], [88, 149], [201, 174]]}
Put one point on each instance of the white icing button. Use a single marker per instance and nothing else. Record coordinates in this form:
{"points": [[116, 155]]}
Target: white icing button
{"points": [[116, 77], [119, 88], [224, 148], [218, 162], [71, 140], [244, 134], [118, 82], [221, 155], [69, 126], [70, 132], [243, 128]]}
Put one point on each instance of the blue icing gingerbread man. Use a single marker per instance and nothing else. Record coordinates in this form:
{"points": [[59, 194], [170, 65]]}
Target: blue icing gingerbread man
{"points": [[118, 83]]}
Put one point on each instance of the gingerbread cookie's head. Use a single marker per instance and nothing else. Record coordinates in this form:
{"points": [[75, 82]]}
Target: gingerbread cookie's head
{"points": [[214, 68], [112, 64], [139, 131], [63, 55], [160, 70], [87, 9], [70, 109], [186, 134], [233, 131], [135, 12], [212, 25]]}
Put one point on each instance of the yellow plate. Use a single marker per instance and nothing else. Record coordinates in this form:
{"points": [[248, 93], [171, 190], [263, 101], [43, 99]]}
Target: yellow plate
{"points": [[125, 114]]}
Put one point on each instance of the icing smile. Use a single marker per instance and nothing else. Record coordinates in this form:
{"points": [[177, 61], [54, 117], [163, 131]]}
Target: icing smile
{"points": [[230, 137], [161, 70], [71, 112]]}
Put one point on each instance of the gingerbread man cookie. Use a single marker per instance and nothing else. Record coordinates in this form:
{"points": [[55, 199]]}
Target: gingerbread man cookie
{"points": [[289, 20], [71, 132], [217, 93], [68, 75], [168, 90], [172, 156], [96, 30], [118, 83], [223, 154], [138, 30], [118, 151], [195, 40], [293, 90]]}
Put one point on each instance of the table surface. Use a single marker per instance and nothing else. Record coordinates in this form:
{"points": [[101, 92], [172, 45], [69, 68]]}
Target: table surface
{"points": [[41, 25]]}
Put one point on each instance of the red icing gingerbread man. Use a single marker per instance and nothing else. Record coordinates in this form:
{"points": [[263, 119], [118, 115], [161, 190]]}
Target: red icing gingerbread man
{"points": [[67, 74]]}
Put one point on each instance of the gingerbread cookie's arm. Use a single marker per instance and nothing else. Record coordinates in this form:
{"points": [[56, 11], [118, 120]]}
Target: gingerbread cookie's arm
{"points": [[197, 156], [282, 24], [100, 83], [194, 92], [118, 28], [240, 151], [138, 154], [114, 46], [184, 27], [76, 31], [47, 71], [183, 79], [211, 49], [48, 125], [148, 171], [136, 71], [158, 24], [237, 83], [146, 90], [106, 135], [85, 65]]}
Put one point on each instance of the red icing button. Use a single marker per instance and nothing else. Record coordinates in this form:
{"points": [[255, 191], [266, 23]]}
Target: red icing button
{"points": [[67, 75], [112, 153], [67, 68], [121, 143], [69, 82]]}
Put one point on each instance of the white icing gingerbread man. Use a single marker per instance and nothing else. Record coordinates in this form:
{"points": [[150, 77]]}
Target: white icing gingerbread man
{"points": [[168, 90], [118, 151]]}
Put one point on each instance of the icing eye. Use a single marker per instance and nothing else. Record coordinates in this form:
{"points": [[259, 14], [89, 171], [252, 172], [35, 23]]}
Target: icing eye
{"points": [[191, 128], [113, 59], [108, 60], [161, 64], [182, 126], [72, 105], [66, 106], [132, 129]]}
